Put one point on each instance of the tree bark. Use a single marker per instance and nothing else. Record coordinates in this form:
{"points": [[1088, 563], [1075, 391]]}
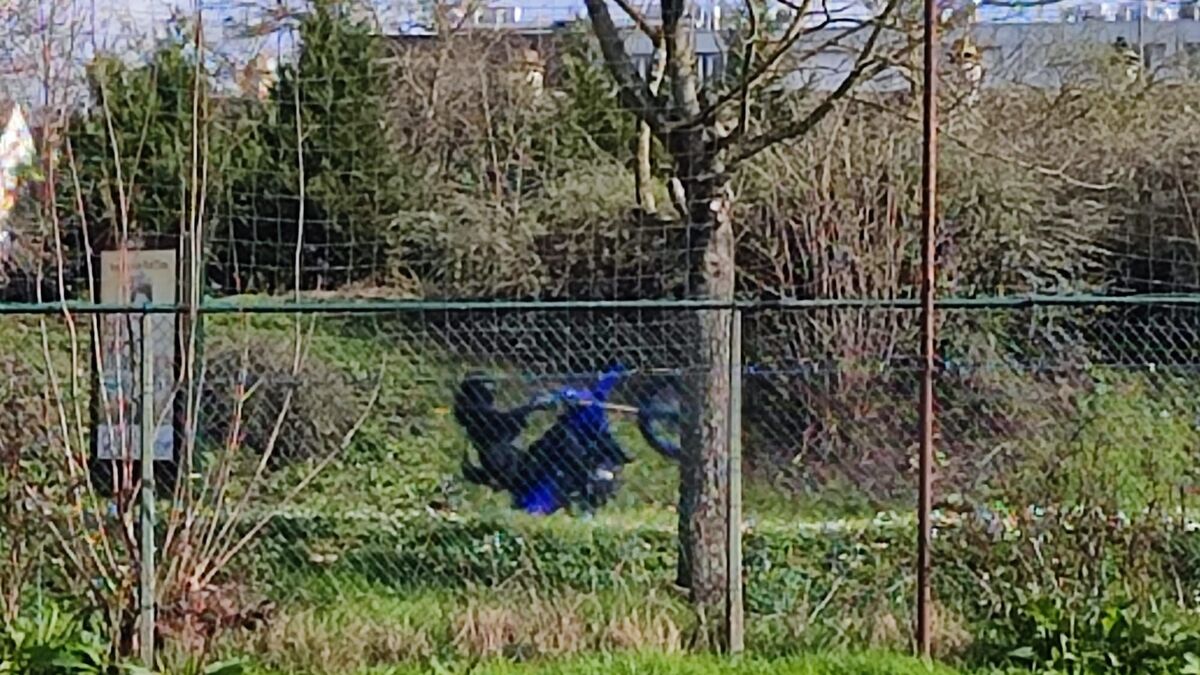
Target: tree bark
{"points": [[704, 471]]}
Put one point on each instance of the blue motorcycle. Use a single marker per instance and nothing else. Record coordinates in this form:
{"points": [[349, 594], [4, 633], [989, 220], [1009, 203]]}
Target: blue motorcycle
{"points": [[577, 461]]}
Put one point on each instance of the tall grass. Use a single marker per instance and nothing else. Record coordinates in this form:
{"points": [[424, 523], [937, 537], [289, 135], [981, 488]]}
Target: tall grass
{"points": [[871, 663]]}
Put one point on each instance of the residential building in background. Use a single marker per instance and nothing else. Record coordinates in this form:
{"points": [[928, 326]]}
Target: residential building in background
{"points": [[1039, 45], [17, 153], [1029, 44]]}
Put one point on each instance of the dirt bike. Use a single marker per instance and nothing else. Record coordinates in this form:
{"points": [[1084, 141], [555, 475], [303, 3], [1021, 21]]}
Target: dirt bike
{"points": [[577, 461]]}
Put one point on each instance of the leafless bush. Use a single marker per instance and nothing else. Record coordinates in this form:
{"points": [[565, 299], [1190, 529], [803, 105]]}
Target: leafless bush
{"points": [[249, 384], [1040, 193], [516, 199], [93, 536]]}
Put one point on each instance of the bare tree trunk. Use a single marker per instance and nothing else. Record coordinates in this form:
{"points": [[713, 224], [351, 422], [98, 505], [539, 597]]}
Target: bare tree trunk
{"points": [[700, 147], [644, 174], [704, 471]]}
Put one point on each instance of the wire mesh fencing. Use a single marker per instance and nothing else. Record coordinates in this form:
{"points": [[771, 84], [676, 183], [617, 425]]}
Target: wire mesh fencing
{"points": [[303, 461], [473, 416], [1065, 435], [477, 461]]}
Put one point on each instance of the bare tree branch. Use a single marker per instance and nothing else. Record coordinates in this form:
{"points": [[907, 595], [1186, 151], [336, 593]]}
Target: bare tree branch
{"points": [[747, 59], [632, 88], [866, 65], [749, 79], [653, 32], [644, 170], [679, 42]]}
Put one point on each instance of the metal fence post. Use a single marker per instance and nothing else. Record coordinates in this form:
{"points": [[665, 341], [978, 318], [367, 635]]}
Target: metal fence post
{"points": [[929, 158], [736, 610], [147, 423]]}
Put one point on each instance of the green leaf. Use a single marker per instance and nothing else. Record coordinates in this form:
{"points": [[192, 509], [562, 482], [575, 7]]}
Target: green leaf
{"points": [[230, 667], [1023, 653]]}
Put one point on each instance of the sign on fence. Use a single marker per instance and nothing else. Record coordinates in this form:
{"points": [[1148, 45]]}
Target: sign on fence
{"points": [[135, 278]]}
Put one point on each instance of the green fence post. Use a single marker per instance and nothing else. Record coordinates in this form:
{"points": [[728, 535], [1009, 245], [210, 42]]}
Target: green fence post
{"points": [[147, 420], [736, 611]]}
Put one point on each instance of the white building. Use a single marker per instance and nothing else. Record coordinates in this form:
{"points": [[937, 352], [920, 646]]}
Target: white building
{"points": [[17, 154]]}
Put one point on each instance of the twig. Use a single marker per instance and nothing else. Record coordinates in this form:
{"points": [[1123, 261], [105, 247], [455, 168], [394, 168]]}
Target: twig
{"points": [[747, 60], [347, 439], [232, 444], [865, 66], [972, 148], [299, 352], [194, 226], [268, 451], [653, 32], [752, 77]]}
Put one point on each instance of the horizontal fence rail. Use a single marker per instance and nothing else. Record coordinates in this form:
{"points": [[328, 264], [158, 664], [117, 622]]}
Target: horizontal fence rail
{"points": [[281, 306]]}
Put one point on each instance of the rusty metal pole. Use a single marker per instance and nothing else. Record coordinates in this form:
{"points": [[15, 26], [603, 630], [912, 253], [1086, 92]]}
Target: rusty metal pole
{"points": [[928, 325]]}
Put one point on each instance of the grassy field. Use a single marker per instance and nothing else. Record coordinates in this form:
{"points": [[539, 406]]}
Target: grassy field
{"points": [[406, 455]]}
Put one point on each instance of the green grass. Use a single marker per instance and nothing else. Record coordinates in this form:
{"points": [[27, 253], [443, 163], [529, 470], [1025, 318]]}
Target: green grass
{"points": [[374, 629], [872, 663]]}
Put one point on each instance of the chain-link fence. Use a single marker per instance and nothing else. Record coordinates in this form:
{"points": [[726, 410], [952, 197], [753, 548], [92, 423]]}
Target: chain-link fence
{"points": [[462, 466], [337, 459], [440, 296]]}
